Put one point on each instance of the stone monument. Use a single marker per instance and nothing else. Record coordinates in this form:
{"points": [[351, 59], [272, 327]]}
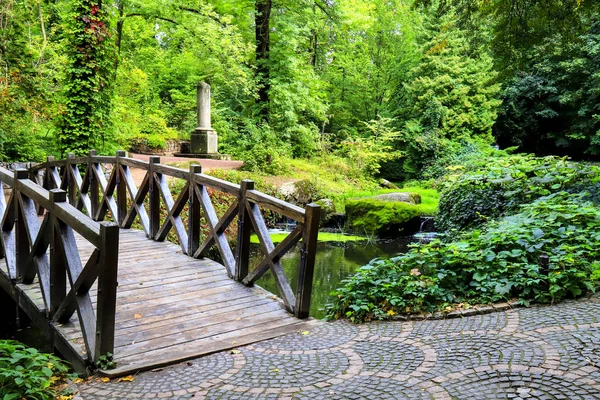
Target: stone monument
{"points": [[203, 140]]}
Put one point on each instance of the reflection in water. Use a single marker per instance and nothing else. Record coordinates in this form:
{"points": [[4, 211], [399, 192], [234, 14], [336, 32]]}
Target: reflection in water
{"points": [[335, 262]]}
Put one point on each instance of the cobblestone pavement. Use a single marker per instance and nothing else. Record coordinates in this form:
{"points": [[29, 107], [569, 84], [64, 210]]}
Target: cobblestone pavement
{"points": [[548, 352]]}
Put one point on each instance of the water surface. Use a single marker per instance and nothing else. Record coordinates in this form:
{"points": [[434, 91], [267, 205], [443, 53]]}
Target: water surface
{"points": [[335, 261]]}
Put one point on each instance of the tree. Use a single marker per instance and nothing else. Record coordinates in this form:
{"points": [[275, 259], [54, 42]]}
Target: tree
{"points": [[553, 108], [452, 97], [85, 122]]}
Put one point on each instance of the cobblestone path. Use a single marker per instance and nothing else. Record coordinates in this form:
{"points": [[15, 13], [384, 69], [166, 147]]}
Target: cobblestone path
{"points": [[548, 352]]}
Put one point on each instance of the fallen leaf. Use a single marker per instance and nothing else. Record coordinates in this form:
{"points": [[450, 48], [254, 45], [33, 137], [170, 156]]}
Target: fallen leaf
{"points": [[234, 342], [235, 352], [105, 380], [128, 378], [137, 316], [65, 397], [391, 313], [305, 332], [275, 370], [274, 297], [77, 381]]}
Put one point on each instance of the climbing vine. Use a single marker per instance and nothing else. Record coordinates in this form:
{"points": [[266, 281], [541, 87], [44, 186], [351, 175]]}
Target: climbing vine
{"points": [[85, 120]]}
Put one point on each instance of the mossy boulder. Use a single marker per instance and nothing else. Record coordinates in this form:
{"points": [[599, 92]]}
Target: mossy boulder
{"points": [[327, 210], [300, 192], [405, 197], [382, 217]]}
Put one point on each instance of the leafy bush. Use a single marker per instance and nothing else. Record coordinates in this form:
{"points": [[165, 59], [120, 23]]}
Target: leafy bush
{"points": [[258, 146], [494, 187], [483, 266], [368, 153], [27, 373]]}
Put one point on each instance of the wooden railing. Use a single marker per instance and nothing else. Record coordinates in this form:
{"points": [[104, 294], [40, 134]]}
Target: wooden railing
{"points": [[126, 203], [26, 241]]}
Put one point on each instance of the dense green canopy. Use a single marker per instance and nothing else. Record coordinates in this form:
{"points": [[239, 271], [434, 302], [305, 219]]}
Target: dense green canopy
{"points": [[293, 78]]}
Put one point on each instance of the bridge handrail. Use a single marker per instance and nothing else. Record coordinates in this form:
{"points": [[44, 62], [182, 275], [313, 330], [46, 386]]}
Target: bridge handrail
{"points": [[25, 242], [85, 193]]}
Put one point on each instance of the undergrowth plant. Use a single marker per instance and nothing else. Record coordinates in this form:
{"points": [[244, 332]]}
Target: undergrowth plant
{"points": [[26, 373], [497, 263], [494, 187]]}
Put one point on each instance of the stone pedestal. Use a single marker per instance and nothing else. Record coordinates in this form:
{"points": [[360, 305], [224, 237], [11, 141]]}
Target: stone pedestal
{"points": [[203, 141]]}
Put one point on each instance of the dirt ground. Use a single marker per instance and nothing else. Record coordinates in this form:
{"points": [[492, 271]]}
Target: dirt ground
{"points": [[138, 174]]}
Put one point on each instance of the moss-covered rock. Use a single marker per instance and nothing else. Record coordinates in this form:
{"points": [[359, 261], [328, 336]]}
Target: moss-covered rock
{"points": [[327, 210], [383, 218]]}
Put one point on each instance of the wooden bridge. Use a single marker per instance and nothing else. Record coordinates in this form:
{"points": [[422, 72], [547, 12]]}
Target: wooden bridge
{"points": [[95, 285]]}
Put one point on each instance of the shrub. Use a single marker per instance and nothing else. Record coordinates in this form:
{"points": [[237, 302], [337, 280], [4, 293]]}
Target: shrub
{"points": [[483, 266], [494, 187], [27, 373]]}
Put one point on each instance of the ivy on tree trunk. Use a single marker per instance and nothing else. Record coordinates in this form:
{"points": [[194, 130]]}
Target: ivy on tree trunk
{"points": [[87, 98]]}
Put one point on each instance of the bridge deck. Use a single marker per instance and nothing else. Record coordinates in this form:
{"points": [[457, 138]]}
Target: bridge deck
{"points": [[171, 307]]}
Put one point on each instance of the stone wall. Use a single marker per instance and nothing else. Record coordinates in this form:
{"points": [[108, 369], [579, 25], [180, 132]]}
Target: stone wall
{"points": [[141, 147]]}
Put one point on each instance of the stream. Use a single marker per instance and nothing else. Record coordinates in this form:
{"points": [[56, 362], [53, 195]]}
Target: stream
{"points": [[335, 262]]}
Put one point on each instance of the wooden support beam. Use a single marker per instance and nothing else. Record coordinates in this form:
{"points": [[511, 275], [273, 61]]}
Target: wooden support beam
{"points": [[58, 265], [154, 198], [307, 260], [213, 220], [21, 239], [121, 190], [242, 251], [70, 169], [285, 290], [107, 289], [194, 210], [138, 196]]}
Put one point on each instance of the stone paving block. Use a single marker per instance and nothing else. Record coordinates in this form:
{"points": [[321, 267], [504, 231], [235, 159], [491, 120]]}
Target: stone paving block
{"points": [[550, 352]]}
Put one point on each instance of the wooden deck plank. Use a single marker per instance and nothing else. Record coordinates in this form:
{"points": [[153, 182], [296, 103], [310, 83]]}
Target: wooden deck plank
{"points": [[154, 359], [171, 307]]}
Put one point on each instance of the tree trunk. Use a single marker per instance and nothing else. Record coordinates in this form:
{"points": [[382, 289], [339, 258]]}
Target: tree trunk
{"points": [[261, 20]]}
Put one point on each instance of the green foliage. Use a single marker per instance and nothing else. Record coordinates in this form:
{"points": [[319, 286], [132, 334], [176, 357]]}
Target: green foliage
{"points": [[451, 98], [496, 263], [259, 148], [553, 107], [369, 215], [106, 362], [375, 147], [493, 187], [27, 373], [85, 121]]}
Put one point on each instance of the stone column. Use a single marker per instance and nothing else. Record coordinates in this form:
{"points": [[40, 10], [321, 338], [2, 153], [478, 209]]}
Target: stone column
{"points": [[204, 139]]}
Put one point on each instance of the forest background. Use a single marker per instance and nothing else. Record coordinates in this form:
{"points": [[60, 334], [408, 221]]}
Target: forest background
{"points": [[397, 88]]}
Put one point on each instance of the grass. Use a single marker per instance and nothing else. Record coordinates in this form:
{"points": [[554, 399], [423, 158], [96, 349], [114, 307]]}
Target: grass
{"points": [[335, 179], [323, 237]]}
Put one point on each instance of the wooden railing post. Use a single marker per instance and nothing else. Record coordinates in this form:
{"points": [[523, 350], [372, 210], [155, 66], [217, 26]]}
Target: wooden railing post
{"points": [[154, 199], [194, 212], [21, 239], [307, 260], [94, 191], [121, 190], [71, 185], [51, 175], [242, 251], [58, 267], [107, 289]]}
